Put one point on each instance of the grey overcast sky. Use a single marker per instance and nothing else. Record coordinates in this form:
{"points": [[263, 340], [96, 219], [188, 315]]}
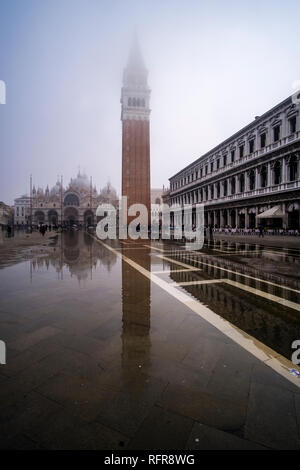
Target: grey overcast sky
{"points": [[213, 65]]}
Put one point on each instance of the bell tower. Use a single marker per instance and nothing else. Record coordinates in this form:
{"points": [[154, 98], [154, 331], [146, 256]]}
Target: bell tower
{"points": [[135, 117]]}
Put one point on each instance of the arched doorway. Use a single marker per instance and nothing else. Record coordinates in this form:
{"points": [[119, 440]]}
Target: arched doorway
{"points": [[293, 216], [88, 218], [252, 217], [242, 218], [53, 217], [39, 217], [232, 218], [71, 216]]}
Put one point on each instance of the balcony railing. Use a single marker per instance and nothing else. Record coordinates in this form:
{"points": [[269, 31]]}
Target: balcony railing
{"points": [[256, 192]]}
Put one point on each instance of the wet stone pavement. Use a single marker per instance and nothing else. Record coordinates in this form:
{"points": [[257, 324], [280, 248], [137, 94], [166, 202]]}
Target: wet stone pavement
{"points": [[132, 345]]}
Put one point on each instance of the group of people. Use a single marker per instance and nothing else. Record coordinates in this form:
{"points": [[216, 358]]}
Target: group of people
{"points": [[43, 228]]}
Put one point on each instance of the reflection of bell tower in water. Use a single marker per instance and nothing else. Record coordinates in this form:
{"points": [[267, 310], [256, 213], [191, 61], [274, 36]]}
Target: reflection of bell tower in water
{"points": [[135, 132], [136, 312]]}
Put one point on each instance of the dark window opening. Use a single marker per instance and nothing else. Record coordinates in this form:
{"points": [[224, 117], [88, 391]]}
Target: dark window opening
{"points": [[292, 122], [233, 186], [252, 180], [276, 133], [241, 151], [242, 183], [263, 140], [225, 188], [264, 177], [293, 168], [251, 146], [232, 155], [277, 173]]}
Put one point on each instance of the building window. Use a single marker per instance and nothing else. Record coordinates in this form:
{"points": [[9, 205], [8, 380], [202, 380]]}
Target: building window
{"points": [[233, 185], [252, 180], [206, 169], [276, 133], [232, 156], [241, 150], [263, 140], [292, 123], [251, 146], [218, 190], [293, 168], [264, 176], [277, 172], [218, 163], [225, 188], [225, 160], [242, 183], [211, 167]]}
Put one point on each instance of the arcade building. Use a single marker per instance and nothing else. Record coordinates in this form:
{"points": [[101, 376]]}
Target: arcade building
{"points": [[251, 178]]}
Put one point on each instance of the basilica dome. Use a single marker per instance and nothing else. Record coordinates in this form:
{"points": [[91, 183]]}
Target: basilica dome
{"points": [[81, 182]]}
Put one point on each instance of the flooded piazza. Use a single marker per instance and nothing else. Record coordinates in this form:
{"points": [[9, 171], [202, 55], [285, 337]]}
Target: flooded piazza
{"points": [[107, 341]]}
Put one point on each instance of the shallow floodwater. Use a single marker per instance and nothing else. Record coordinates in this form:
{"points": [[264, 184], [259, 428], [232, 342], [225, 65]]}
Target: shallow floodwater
{"points": [[67, 284]]}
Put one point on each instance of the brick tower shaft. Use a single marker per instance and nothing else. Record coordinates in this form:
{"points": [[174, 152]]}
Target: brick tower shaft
{"points": [[136, 132]]}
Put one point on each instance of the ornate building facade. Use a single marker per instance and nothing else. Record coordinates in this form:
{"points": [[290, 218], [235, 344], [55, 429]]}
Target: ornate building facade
{"points": [[250, 178], [135, 116], [75, 204]]}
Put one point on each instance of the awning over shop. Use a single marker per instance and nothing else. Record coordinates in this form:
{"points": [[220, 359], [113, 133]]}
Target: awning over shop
{"points": [[273, 213]]}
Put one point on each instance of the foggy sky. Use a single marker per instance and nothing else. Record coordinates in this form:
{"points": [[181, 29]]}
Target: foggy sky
{"points": [[213, 66]]}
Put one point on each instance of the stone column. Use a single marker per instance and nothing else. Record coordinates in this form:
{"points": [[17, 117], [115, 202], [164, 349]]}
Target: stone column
{"points": [[222, 223], [285, 218], [246, 181], [269, 183], [246, 218], [237, 184], [284, 171], [257, 185]]}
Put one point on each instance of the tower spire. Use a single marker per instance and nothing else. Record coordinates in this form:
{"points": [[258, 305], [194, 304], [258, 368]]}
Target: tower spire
{"points": [[135, 59]]}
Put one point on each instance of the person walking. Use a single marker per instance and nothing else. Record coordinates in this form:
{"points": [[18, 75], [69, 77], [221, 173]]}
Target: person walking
{"points": [[261, 230]]}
